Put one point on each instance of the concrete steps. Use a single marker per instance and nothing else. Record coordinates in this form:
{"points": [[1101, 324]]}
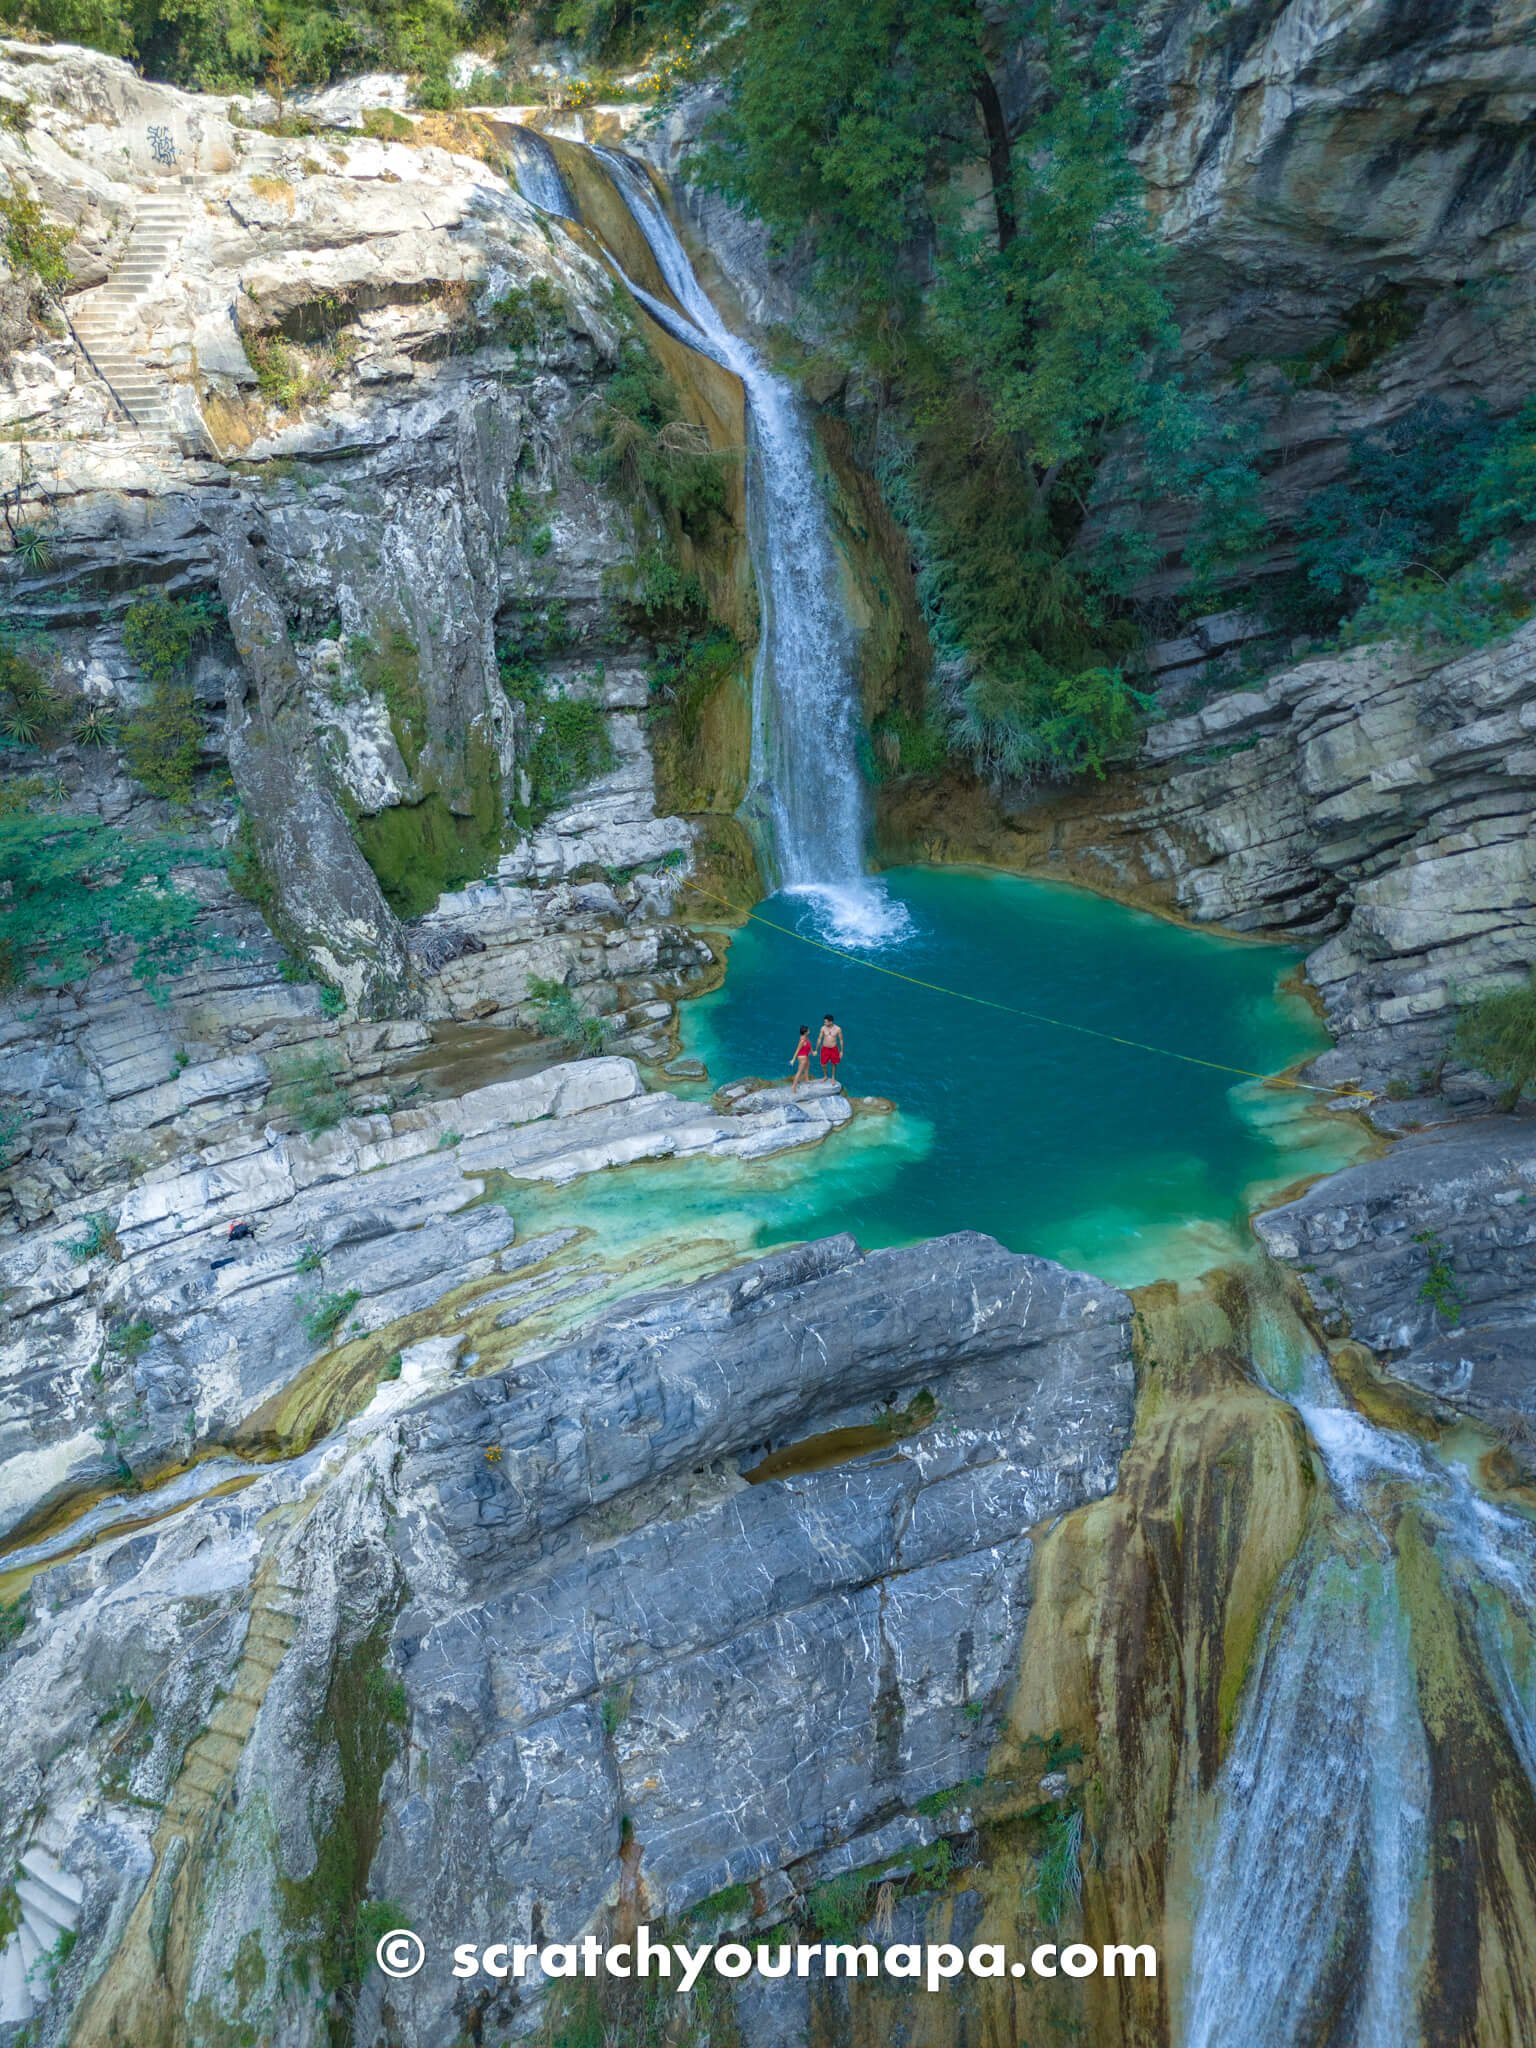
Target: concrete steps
{"points": [[209, 1765], [107, 319], [49, 1902]]}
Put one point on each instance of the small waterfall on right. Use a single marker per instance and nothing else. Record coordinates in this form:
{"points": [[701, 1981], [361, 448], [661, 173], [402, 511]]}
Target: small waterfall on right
{"points": [[1315, 1872], [1322, 1807]]}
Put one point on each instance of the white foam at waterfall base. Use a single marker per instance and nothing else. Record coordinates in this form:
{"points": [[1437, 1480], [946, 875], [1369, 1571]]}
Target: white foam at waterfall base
{"points": [[805, 764]]}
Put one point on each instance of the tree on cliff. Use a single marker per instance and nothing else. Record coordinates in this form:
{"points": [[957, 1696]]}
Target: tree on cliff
{"points": [[1016, 335]]}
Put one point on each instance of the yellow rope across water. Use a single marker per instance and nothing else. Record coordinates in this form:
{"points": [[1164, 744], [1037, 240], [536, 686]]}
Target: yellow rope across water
{"points": [[961, 995]]}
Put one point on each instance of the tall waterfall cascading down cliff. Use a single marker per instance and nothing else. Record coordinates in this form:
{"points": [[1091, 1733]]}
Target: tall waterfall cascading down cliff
{"points": [[805, 721]]}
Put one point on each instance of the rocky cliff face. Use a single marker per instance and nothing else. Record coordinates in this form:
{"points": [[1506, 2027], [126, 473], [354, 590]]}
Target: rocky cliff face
{"points": [[1346, 197], [554, 1647], [1378, 803], [452, 1593], [366, 383]]}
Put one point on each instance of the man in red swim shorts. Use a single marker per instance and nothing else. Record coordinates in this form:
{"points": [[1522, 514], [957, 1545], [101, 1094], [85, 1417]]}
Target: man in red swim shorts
{"points": [[829, 1043]]}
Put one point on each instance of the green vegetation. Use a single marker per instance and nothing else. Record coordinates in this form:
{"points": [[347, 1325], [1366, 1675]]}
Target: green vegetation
{"points": [[161, 634], [419, 850], [571, 747], [557, 1015], [248, 876], [1040, 342], [306, 1089], [936, 1804], [134, 1716], [1496, 1035], [393, 672], [96, 1236], [1391, 551], [1031, 403], [163, 741], [33, 245], [310, 1259], [1439, 1286], [384, 124], [14, 1616], [75, 892], [615, 1707], [323, 1314], [570, 743], [1058, 1871], [527, 315], [722, 1906], [901, 744], [645, 444], [131, 1338], [286, 44], [288, 376], [29, 708], [328, 1911], [838, 1908]]}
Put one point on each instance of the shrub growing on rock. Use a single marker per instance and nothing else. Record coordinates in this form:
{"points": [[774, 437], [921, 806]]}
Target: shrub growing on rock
{"points": [[559, 1016], [34, 246], [306, 1089], [163, 741], [29, 707], [645, 443], [1496, 1035]]}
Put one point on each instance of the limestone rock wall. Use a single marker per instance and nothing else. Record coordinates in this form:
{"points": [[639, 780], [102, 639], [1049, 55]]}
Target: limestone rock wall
{"points": [[484, 1663], [405, 480], [1376, 805]]}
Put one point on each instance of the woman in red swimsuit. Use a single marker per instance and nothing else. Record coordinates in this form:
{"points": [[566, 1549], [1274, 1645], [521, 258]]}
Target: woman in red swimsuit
{"points": [[802, 1066], [829, 1044]]}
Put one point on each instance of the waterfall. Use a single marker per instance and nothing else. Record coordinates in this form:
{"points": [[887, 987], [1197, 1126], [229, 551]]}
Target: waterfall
{"points": [[536, 172], [1322, 1808], [1319, 1836], [805, 722]]}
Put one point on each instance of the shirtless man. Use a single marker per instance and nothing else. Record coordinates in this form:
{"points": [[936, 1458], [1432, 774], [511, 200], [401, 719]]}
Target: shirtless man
{"points": [[829, 1043]]}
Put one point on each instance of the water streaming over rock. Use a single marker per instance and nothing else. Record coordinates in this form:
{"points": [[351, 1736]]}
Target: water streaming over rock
{"points": [[536, 172], [805, 765], [1314, 1878]]}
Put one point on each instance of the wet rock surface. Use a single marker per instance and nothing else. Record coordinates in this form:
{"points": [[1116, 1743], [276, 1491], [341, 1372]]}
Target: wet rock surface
{"points": [[1428, 1255], [367, 1240]]}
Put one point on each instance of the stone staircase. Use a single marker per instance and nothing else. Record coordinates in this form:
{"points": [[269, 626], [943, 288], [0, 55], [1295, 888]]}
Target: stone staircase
{"points": [[47, 1910], [107, 319], [208, 1767], [46, 1902]]}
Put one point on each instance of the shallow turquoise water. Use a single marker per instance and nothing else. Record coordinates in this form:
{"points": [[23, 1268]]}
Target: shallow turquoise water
{"points": [[1108, 1157]]}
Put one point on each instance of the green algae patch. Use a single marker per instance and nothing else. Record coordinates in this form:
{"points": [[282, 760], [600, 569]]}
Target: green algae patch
{"points": [[831, 1447], [364, 1718], [895, 658], [420, 851]]}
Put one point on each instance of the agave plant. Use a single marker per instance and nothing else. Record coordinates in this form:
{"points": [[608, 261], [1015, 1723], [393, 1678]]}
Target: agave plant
{"points": [[22, 722], [96, 726], [32, 545]]}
